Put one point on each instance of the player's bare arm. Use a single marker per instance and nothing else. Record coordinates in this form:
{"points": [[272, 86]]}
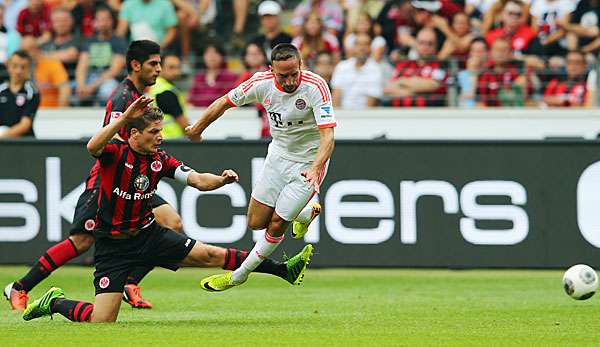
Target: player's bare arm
{"points": [[212, 113], [96, 144], [326, 144], [208, 181]]}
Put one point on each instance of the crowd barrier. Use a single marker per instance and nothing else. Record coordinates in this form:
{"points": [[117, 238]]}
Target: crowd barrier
{"points": [[385, 203]]}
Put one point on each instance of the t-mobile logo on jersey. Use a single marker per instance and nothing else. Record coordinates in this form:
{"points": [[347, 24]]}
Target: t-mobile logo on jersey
{"points": [[276, 118]]}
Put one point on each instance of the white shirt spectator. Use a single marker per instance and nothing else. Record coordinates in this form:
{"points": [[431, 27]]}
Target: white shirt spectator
{"points": [[355, 84]]}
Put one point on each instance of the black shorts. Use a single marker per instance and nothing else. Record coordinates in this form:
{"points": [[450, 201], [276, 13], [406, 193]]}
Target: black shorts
{"points": [[154, 246], [84, 220]]}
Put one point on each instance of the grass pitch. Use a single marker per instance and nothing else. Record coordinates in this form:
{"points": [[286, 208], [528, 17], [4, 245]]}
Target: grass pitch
{"points": [[342, 307]]}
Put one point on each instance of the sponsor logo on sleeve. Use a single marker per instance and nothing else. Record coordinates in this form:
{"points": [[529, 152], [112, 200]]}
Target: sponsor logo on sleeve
{"points": [[326, 111]]}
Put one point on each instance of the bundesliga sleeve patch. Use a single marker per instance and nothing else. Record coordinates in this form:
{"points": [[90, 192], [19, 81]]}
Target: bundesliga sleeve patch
{"points": [[326, 112]]}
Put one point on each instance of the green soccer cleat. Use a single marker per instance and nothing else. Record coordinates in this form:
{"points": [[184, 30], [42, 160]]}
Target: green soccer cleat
{"points": [[41, 306], [299, 229], [296, 265], [218, 283]]}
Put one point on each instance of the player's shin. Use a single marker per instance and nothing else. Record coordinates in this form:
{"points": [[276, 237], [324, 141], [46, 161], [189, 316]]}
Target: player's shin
{"points": [[235, 257], [262, 249], [73, 310]]}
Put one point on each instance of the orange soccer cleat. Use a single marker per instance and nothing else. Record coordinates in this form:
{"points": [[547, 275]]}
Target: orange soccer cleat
{"points": [[133, 296], [17, 298]]}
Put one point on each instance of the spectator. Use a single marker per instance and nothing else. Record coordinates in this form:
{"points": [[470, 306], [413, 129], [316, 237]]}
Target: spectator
{"points": [[271, 28], [357, 82], [313, 39], [493, 17], [583, 29], [467, 79], [324, 66], [501, 84], [420, 82], [101, 61], [522, 37], [12, 10], [458, 38], [426, 15], [188, 20], [34, 20], [570, 90], [9, 39], [545, 15], [170, 99], [49, 76], [153, 20], [63, 45], [475, 10], [329, 11], [19, 99], [364, 25], [395, 18], [355, 8], [83, 15], [254, 61], [214, 81]]}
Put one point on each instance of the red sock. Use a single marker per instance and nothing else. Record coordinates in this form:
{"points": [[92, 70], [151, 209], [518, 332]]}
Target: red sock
{"points": [[234, 258], [55, 257]]}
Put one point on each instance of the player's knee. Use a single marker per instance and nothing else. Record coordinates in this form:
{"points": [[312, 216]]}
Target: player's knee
{"points": [[82, 241], [255, 223]]}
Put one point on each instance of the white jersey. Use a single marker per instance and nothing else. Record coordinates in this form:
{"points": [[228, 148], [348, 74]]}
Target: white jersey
{"points": [[294, 118]]}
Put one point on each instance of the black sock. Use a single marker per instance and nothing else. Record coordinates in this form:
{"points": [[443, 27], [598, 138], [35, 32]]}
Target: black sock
{"points": [[137, 274], [55, 257], [234, 258], [76, 311]]}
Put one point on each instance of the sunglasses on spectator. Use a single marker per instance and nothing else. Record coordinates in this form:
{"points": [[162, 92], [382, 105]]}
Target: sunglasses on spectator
{"points": [[515, 14], [425, 43]]}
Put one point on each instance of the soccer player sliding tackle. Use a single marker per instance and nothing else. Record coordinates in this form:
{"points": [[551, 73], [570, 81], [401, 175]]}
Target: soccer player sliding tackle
{"points": [[301, 121], [127, 234]]}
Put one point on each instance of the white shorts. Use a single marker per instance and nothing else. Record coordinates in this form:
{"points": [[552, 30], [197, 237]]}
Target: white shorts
{"points": [[281, 186]]}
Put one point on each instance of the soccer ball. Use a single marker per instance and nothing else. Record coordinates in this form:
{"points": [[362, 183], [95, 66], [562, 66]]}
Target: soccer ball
{"points": [[580, 282]]}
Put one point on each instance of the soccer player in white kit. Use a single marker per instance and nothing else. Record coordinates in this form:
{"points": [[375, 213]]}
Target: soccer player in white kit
{"points": [[301, 121]]}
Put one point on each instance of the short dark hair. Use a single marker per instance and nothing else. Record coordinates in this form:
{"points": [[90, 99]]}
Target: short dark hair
{"points": [[285, 51], [21, 53], [151, 114], [141, 51], [105, 8]]}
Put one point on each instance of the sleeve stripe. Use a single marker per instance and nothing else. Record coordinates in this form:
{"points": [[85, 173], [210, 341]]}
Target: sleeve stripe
{"points": [[229, 101], [324, 93], [249, 86], [256, 77], [329, 125]]}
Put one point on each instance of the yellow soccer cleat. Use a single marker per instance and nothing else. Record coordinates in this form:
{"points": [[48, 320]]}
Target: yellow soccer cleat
{"points": [[299, 229], [218, 283]]}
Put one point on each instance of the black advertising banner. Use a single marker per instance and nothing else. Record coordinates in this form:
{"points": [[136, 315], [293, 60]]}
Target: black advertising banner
{"points": [[385, 203]]}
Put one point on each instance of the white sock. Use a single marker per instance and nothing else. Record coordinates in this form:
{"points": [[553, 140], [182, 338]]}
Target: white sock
{"points": [[262, 249], [304, 215]]}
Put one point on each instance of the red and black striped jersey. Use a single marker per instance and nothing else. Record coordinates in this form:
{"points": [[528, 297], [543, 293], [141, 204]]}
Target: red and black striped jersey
{"points": [[574, 92], [122, 96], [434, 70], [128, 181]]}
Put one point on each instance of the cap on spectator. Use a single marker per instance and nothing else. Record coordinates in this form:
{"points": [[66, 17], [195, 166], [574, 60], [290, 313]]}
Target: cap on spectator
{"points": [[269, 8], [427, 5]]}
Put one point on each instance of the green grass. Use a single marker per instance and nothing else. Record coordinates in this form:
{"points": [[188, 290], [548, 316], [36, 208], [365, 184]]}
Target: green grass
{"points": [[384, 307]]}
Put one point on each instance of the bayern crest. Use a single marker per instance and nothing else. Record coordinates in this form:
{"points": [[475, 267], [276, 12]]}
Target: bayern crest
{"points": [[156, 166], [141, 182], [300, 104]]}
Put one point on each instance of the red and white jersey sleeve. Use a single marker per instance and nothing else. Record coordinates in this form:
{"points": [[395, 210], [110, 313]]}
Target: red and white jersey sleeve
{"points": [[320, 100], [248, 92]]}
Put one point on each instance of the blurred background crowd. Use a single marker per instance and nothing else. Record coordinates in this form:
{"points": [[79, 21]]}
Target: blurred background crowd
{"points": [[396, 53]]}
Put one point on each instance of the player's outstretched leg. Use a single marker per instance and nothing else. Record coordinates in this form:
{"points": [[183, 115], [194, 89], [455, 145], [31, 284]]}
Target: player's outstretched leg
{"points": [[54, 301], [55, 257], [303, 220], [291, 270]]}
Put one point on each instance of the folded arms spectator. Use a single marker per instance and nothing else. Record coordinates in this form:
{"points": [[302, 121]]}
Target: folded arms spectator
{"points": [[19, 99], [569, 90]]}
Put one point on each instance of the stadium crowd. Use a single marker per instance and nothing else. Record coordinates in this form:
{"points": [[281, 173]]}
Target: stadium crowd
{"points": [[398, 53]]}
